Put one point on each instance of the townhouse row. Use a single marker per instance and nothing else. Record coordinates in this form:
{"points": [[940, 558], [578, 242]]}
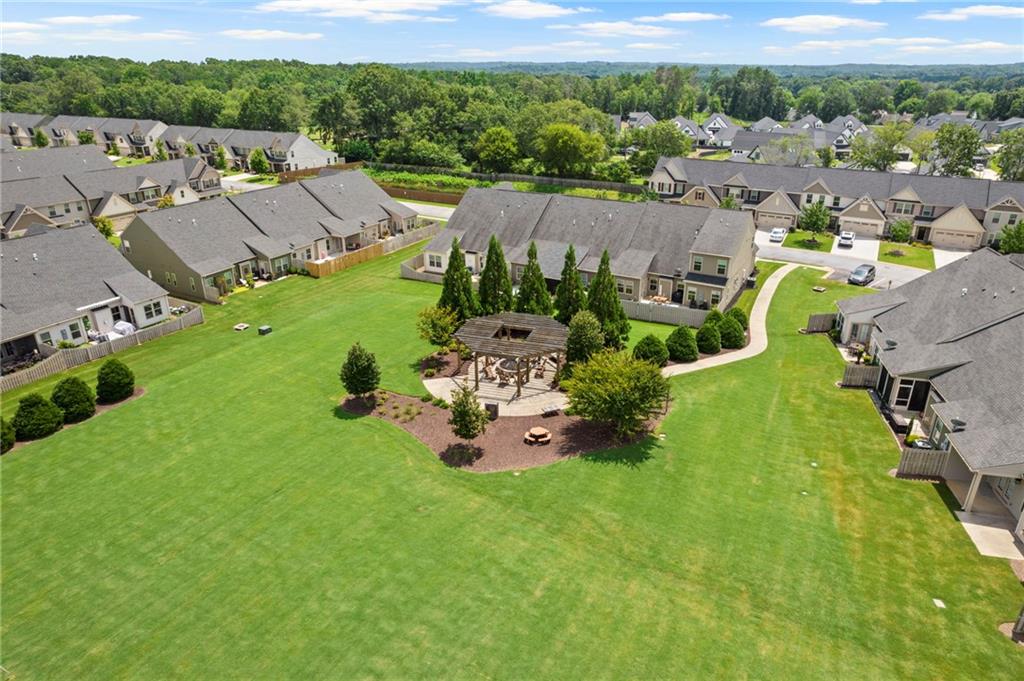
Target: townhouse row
{"points": [[134, 137], [952, 212]]}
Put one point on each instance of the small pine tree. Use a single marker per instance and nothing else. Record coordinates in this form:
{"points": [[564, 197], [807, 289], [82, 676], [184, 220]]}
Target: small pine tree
{"points": [[731, 334], [75, 398], [220, 159], [709, 340], [159, 151], [40, 139], [715, 317], [570, 296], [114, 382], [533, 296], [681, 345], [6, 436], [457, 292], [652, 349], [495, 282], [359, 373], [740, 316], [603, 300], [468, 419], [36, 417], [258, 162], [584, 339]]}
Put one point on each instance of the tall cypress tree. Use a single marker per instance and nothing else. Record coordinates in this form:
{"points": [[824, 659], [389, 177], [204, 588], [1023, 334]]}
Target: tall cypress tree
{"points": [[603, 300], [570, 296], [457, 292], [533, 295], [495, 282]]}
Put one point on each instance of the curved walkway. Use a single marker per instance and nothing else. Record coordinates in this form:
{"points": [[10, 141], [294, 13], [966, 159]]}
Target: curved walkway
{"points": [[758, 330]]}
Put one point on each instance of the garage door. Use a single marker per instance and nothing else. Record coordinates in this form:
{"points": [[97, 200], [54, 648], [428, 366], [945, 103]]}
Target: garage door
{"points": [[773, 220], [946, 239], [859, 228]]}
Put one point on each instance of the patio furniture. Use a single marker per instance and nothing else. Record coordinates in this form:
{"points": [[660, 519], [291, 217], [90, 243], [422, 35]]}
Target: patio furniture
{"points": [[265, 330], [550, 410], [240, 327], [537, 436]]}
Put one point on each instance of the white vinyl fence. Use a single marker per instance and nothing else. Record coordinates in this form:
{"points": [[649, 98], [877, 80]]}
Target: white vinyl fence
{"points": [[57, 361], [664, 314]]}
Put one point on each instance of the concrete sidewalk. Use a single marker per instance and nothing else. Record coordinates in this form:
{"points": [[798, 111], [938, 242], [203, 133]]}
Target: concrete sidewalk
{"points": [[758, 330]]}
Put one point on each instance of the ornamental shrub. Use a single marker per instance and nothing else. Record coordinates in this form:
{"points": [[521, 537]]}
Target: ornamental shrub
{"points": [[715, 317], [740, 316], [652, 349], [681, 345], [75, 399], [114, 382], [731, 334], [37, 417], [6, 436], [359, 373], [709, 340]]}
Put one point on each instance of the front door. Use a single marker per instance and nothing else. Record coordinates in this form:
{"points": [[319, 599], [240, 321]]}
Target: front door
{"points": [[245, 269]]}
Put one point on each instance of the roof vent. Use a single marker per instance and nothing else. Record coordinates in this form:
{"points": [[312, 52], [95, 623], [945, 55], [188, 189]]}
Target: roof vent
{"points": [[35, 257], [963, 292], [193, 221], [958, 425], [678, 272], [890, 344], [995, 294]]}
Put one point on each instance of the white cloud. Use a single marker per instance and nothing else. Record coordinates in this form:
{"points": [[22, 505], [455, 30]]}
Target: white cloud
{"points": [[23, 37], [973, 11], [683, 17], [970, 46], [376, 11], [615, 29], [569, 47], [108, 35], [19, 26], [919, 45], [267, 34], [879, 2], [529, 9], [822, 23], [98, 20], [652, 46]]}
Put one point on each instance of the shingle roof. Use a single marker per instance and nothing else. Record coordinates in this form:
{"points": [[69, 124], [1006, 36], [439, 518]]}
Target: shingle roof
{"points": [[251, 139], [19, 165], [40, 191], [353, 197], [23, 120], [73, 267], [127, 180], [288, 213]]}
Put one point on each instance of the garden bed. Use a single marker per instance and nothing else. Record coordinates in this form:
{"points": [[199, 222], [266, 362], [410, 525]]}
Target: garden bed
{"points": [[809, 241], [911, 255], [501, 447], [100, 409]]}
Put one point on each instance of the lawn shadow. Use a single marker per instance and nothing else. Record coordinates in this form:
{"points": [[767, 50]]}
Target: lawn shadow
{"points": [[630, 454], [352, 408], [460, 454], [948, 498]]}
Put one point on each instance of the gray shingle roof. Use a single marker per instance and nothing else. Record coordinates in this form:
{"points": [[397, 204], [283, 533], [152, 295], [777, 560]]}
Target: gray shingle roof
{"points": [[74, 267], [353, 197], [37, 192], [94, 185], [288, 213], [19, 165], [23, 120]]}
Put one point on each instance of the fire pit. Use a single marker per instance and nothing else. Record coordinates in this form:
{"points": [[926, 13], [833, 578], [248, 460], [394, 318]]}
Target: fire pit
{"points": [[507, 364]]}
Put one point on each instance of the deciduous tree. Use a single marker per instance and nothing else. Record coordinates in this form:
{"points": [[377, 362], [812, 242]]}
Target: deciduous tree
{"points": [[468, 419], [1010, 157], [258, 162], [879, 150], [496, 150], [567, 151], [1011, 240], [955, 149], [436, 325], [585, 337], [815, 217], [615, 388]]}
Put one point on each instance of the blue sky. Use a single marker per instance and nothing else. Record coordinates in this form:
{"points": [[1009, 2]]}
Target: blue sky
{"points": [[328, 31]]}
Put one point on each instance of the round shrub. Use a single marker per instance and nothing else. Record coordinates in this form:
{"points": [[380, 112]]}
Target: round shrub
{"points": [[740, 316], [6, 436], [715, 317], [652, 349], [37, 417], [75, 399], [731, 334], [709, 341], [681, 345], [114, 382]]}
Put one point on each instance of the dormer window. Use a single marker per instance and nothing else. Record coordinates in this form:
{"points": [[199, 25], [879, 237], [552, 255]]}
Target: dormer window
{"points": [[835, 202], [699, 195], [902, 208], [927, 211]]}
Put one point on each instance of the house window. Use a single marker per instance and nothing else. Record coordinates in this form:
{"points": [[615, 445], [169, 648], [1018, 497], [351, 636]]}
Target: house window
{"points": [[67, 209], [995, 218], [902, 208], [753, 195], [927, 211], [698, 263], [809, 199], [691, 295], [519, 272], [79, 206], [44, 337], [625, 287], [652, 285], [434, 261], [904, 390], [171, 278], [192, 284], [716, 297], [182, 192], [53, 211], [153, 309], [1012, 220], [723, 267], [76, 330], [208, 281], [115, 313], [835, 202], [699, 195]]}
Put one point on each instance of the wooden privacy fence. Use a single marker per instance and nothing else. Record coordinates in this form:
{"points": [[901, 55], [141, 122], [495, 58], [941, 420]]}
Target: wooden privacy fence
{"points": [[861, 376], [57, 361], [664, 314], [306, 173], [623, 187], [343, 262], [821, 323], [922, 463], [449, 198]]}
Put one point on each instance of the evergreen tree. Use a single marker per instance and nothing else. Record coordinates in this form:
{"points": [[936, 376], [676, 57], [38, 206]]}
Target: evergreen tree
{"points": [[220, 159], [603, 300], [731, 334], [585, 337], [360, 373], [457, 292], [570, 296], [533, 297], [709, 339], [495, 282], [258, 162], [652, 349], [681, 345], [468, 419], [159, 151]]}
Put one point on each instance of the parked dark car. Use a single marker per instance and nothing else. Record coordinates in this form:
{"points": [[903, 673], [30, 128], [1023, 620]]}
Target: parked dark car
{"points": [[862, 276]]}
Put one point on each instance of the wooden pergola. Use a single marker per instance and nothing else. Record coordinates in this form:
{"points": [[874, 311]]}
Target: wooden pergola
{"points": [[516, 336]]}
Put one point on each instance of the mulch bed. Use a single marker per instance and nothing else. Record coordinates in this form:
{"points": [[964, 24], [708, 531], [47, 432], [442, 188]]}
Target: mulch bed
{"points": [[100, 409], [446, 366], [501, 447]]}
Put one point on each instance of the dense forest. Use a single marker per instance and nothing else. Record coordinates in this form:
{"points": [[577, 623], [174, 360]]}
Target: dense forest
{"points": [[490, 117]]}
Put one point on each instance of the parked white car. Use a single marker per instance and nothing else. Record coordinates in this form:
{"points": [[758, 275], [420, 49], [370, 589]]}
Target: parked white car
{"points": [[778, 235], [846, 239]]}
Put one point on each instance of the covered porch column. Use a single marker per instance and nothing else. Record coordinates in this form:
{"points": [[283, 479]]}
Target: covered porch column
{"points": [[972, 492]]}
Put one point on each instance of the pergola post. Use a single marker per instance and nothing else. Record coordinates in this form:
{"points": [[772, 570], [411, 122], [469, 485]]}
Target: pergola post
{"points": [[972, 492], [476, 372], [519, 378]]}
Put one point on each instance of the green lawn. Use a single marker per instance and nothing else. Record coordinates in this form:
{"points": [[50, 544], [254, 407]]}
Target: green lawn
{"points": [[231, 524], [765, 268], [802, 239], [128, 161], [114, 240], [913, 256], [263, 179]]}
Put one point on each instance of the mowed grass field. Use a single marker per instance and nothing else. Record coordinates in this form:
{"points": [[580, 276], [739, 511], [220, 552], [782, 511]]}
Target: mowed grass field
{"points": [[231, 524]]}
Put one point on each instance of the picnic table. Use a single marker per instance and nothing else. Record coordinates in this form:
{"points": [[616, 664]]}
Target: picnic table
{"points": [[537, 436]]}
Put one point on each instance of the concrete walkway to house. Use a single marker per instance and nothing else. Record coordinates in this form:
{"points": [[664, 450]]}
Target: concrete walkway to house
{"points": [[758, 330]]}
